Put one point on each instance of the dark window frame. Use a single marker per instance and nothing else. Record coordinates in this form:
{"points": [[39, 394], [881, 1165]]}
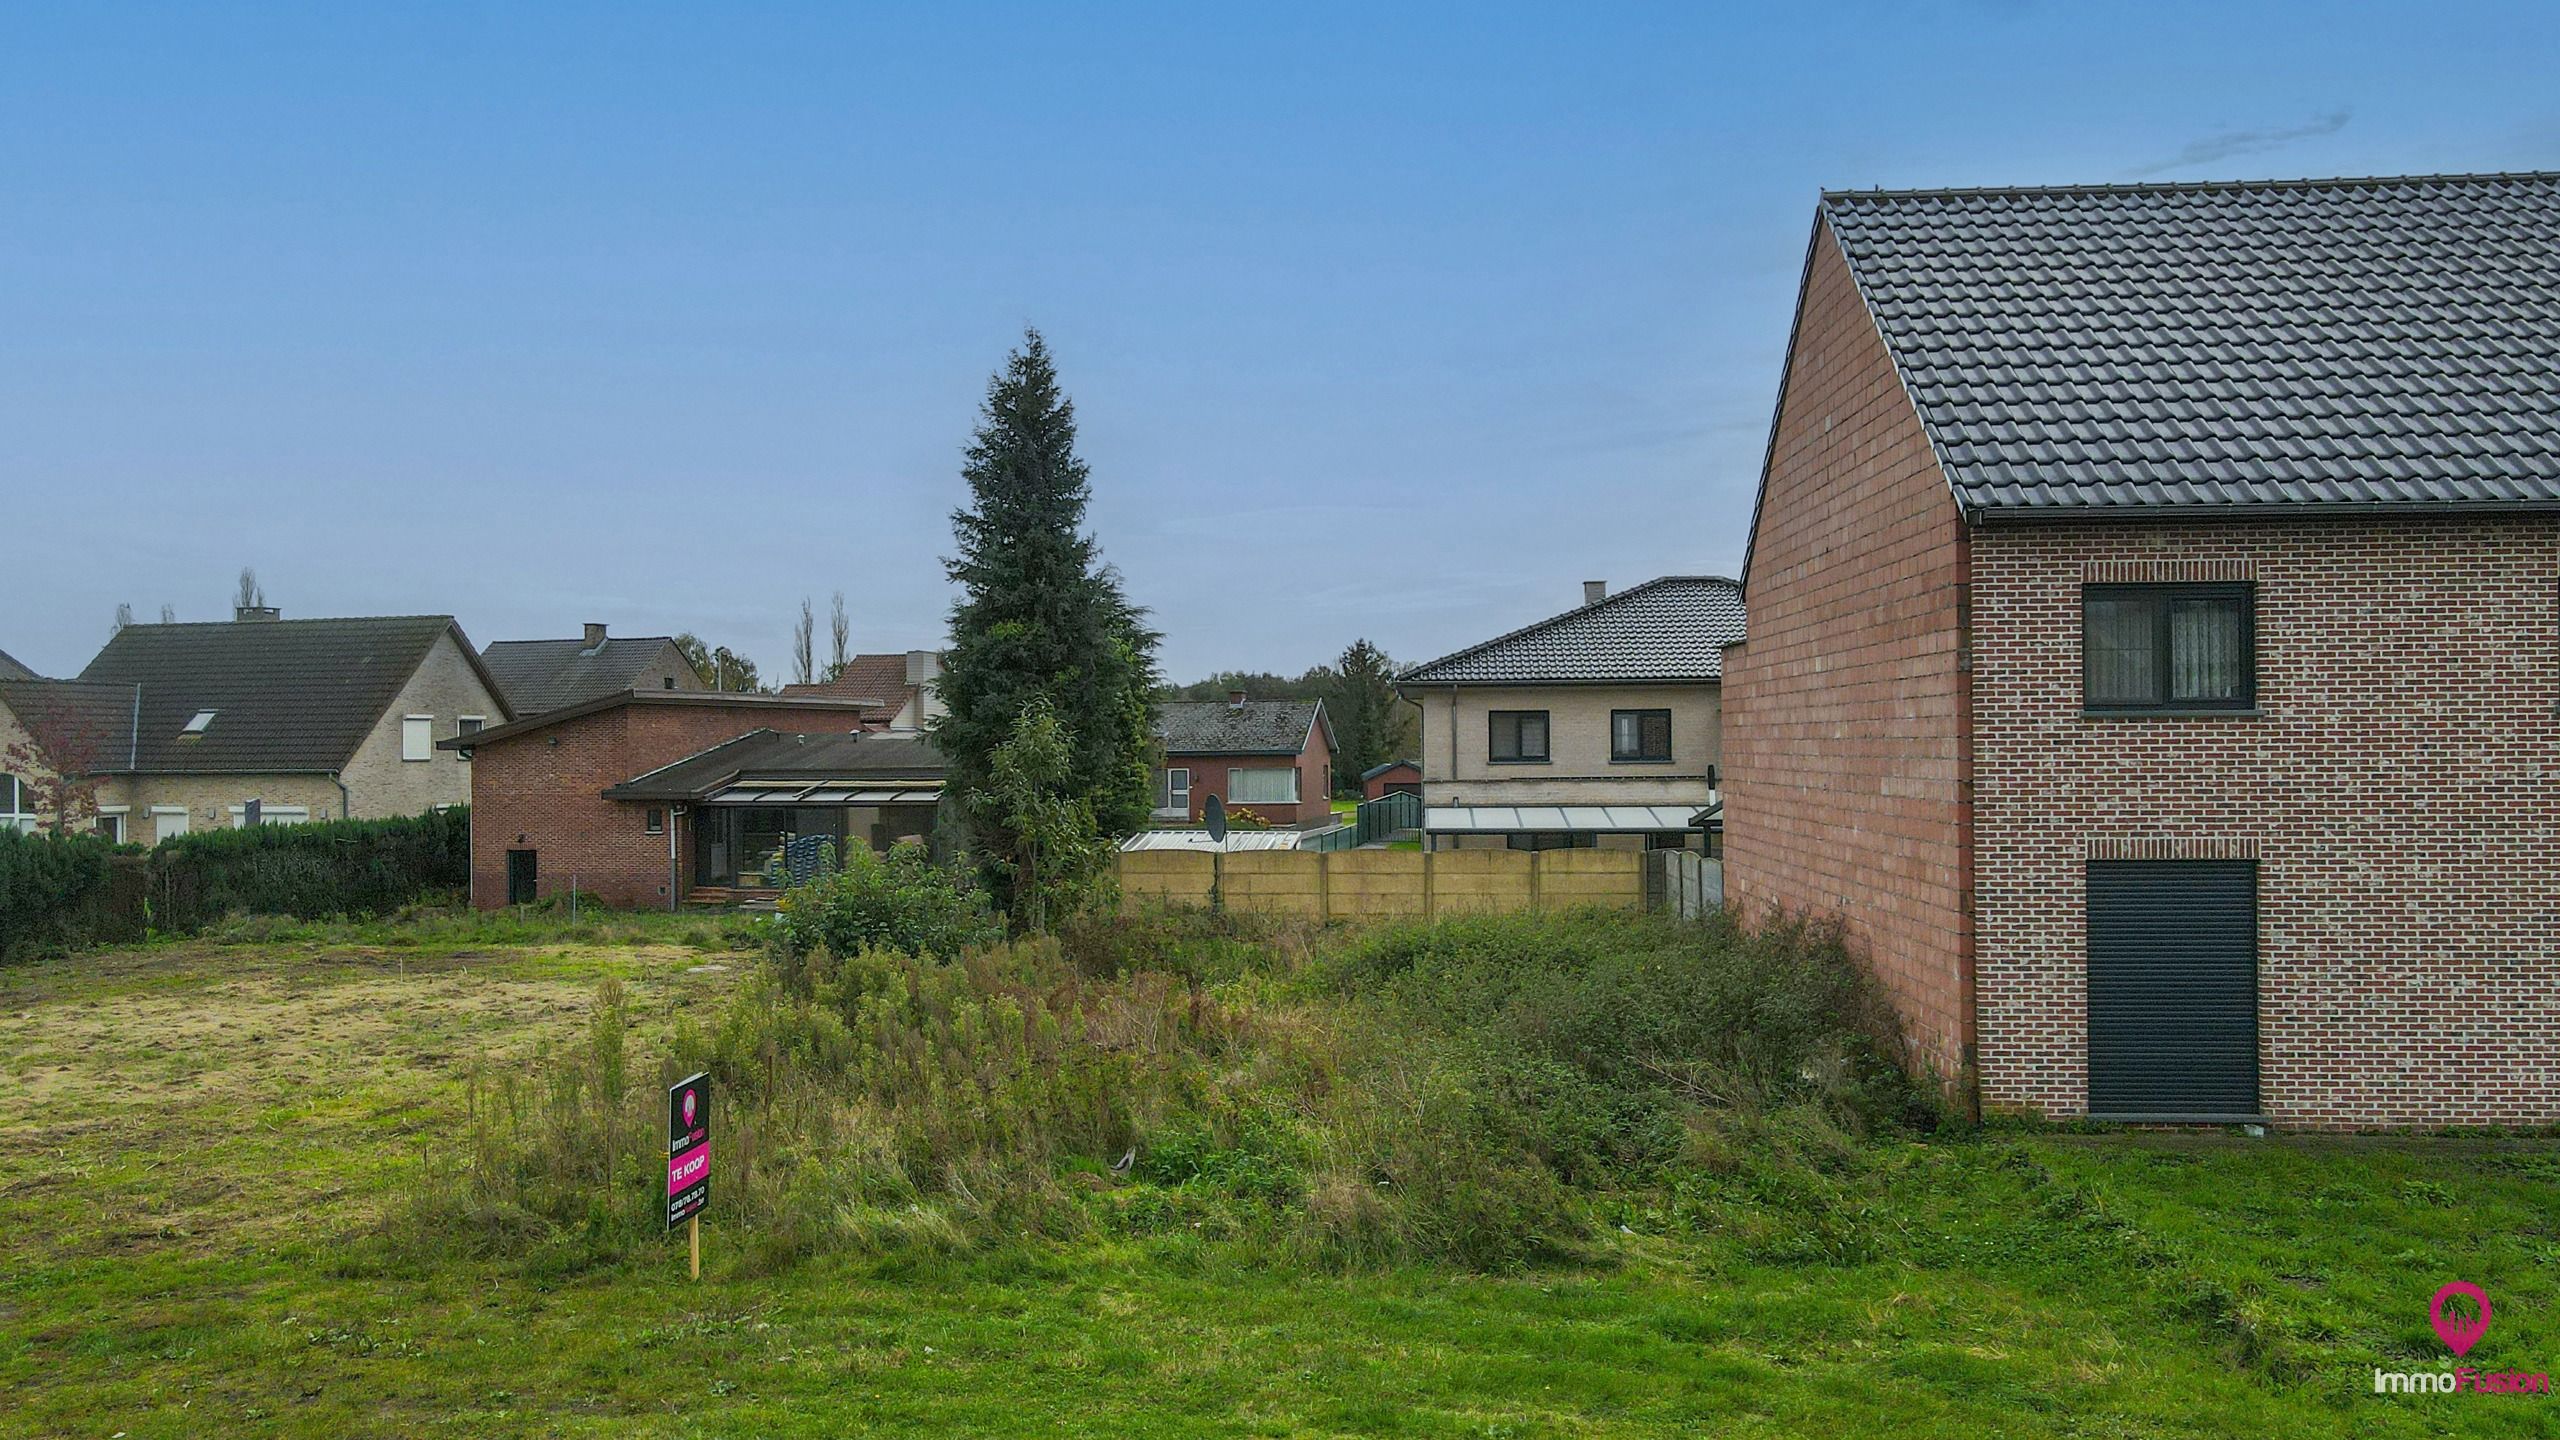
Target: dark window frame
{"points": [[1641, 756], [1493, 720], [2163, 595], [653, 820]]}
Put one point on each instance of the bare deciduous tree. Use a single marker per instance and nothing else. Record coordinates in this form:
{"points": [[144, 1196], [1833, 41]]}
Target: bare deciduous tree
{"points": [[251, 594], [841, 625], [804, 645]]}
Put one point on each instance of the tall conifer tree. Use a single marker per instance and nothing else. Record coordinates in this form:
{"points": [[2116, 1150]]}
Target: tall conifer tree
{"points": [[1040, 616]]}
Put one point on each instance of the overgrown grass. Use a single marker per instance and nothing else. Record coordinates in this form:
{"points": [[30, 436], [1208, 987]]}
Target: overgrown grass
{"points": [[208, 1135], [1474, 1093], [448, 928]]}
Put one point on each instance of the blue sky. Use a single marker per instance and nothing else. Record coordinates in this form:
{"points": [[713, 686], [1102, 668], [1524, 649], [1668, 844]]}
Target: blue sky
{"points": [[1386, 322]]}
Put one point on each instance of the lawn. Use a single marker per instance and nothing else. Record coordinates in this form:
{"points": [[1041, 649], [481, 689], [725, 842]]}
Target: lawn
{"points": [[206, 1137]]}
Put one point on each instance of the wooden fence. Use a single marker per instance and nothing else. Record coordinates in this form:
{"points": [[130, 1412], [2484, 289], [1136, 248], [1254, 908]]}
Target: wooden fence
{"points": [[1385, 884]]}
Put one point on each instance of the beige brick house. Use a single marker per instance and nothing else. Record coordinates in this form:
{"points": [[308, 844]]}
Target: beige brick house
{"points": [[1599, 727], [179, 727]]}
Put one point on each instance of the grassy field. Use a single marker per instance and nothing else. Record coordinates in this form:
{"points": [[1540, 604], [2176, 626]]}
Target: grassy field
{"points": [[206, 1136]]}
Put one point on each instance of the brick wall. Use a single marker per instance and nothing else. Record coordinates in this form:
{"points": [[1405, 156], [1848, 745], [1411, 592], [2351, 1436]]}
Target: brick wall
{"points": [[1844, 731], [2399, 788], [542, 790], [1209, 777]]}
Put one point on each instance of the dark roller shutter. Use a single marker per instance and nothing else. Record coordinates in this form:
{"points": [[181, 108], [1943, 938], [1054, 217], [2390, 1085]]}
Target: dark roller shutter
{"points": [[2173, 989]]}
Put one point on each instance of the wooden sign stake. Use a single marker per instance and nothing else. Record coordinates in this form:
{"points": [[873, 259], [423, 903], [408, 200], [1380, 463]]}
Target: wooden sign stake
{"points": [[693, 1233]]}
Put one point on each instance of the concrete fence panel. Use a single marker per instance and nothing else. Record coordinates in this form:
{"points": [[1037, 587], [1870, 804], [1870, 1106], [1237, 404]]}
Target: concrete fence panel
{"points": [[1167, 877], [1378, 885], [1385, 884]]}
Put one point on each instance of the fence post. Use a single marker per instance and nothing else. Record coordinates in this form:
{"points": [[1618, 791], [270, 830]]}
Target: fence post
{"points": [[1537, 867], [1324, 885], [1430, 901]]}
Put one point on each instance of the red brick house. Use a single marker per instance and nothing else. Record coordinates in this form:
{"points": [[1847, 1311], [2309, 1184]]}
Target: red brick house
{"points": [[644, 798], [2155, 642], [1272, 757], [1396, 777]]}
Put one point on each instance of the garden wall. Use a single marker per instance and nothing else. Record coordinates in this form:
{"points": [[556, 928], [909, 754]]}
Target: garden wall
{"points": [[1385, 884]]}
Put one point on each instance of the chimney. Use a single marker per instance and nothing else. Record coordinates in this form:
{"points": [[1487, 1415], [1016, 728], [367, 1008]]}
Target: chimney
{"points": [[1594, 591], [924, 667], [595, 633], [1235, 699], [255, 612]]}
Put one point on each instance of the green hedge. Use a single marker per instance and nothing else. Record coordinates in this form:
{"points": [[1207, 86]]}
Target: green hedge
{"points": [[53, 890], [333, 867], [60, 892]]}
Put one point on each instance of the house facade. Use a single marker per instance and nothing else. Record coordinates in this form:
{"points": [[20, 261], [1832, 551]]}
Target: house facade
{"points": [[1395, 777], [1601, 727], [547, 813], [540, 675], [2154, 666], [1272, 757], [179, 727]]}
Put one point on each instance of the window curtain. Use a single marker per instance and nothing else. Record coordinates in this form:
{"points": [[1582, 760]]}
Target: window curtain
{"points": [[2123, 660], [1262, 787], [2204, 650]]}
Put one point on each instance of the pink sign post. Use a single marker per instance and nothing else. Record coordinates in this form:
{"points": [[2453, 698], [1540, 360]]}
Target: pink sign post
{"points": [[689, 1159]]}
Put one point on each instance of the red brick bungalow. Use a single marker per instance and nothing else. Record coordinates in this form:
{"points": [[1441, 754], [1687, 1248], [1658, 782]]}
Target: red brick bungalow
{"points": [[2155, 652], [1272, 757], [1395, 777], [646, 798]]}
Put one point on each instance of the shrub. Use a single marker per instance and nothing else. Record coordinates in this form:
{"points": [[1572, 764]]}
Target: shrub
{"points": [[332, 867], [1473, 1094], [899, 901], [57, 891]]}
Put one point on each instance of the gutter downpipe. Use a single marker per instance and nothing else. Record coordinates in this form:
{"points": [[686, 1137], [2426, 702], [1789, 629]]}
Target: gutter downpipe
{"points": [[346, 801], [675, 882]]}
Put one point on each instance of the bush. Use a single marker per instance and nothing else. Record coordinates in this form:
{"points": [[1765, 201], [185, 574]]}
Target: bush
{"points": [[57, 892], [900, 901], [1475, 1093], [332, 867]]}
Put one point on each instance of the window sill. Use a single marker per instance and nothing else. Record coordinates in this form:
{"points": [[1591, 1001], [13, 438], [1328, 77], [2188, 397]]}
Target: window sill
{"points": [[2173, 713], [1541, 760], [1639, 759]]}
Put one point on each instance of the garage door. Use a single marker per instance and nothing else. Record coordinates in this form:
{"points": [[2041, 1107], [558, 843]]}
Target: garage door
{"points": [[2173, 989]]}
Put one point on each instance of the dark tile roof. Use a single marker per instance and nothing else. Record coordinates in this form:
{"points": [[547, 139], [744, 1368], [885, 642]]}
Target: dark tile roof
{"points": [[295, 695], [2327, 343], [1374, 771], [1257, 727], [10, 669], [540, 675], [769, 755], [80, 725], [853, 711], [1663, 631]]}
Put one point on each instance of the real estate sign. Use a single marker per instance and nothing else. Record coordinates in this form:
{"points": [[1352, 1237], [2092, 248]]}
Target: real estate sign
{"points": [[688, 1148]]}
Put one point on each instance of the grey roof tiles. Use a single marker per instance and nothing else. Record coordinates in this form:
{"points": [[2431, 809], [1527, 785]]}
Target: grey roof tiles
{"points": [[1218, 727], [539, 675], [1669, 630], [2390, 343]]}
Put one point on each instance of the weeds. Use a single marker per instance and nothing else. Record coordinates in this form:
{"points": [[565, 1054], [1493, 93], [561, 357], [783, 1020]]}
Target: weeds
{"points": [[1475, 1093]]}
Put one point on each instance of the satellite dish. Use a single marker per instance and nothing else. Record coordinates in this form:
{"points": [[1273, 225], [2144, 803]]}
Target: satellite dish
{"points": [[1213, 814]]}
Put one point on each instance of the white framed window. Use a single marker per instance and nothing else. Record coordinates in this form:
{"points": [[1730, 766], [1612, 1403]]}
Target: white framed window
{"points": [[168, 822], [110, 822], [418, 737], [1259, 786], [17, 805], [272, 815], [1175, 792]]}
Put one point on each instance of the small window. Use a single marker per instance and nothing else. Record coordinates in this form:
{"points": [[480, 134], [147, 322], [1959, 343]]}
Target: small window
{"points": [[418, 737], [112, 827], [666, 682], [1640, 735], [656, 820], [1517, 736], [470, 724], [199, 723], [1177, 788], [1262, 786], [2167, 647], [17, 805]]}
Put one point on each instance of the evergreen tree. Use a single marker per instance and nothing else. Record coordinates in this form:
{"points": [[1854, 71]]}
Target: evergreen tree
{"points": [[1040, 618], [1370, 722]]}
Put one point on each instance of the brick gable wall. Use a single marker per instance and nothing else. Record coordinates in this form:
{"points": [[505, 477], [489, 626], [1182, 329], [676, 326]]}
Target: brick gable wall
{"points": [[529, 793], [2400, 790], [1844, 728]]}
